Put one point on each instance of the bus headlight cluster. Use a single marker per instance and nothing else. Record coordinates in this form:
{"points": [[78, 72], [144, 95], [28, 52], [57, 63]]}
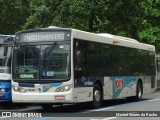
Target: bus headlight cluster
{"points": [[18, 89], [4, 89], [64, 88]]}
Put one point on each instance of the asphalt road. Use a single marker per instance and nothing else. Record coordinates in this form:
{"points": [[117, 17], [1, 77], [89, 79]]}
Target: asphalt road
{"points": [[119, 109]]}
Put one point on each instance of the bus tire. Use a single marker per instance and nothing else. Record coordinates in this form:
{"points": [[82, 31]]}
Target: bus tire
{"points": [[47, 106], [139, 91], [97, 96]]}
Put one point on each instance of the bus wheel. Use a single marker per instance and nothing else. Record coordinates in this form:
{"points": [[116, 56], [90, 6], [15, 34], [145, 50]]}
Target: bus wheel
{"points": [[139, 91], [47, 106], [97, 96]]}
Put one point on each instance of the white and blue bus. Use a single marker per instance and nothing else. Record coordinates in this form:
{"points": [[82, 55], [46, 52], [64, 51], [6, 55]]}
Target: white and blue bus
{"points": [[6, 43], [61, 65]]}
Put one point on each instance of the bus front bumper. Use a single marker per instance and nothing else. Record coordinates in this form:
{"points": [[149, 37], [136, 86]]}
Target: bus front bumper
{"points": [[60, 97]]}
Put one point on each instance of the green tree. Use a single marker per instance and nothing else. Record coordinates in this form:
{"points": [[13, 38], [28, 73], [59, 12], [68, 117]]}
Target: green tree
{"points": [[151, 28], [120, 17], [42, 13], [12, 16], [138, 19]]}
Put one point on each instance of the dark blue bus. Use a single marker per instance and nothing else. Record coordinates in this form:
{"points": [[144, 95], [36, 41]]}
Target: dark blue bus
{"points": [[6, 42]]}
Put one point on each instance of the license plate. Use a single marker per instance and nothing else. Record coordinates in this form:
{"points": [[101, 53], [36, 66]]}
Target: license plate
{"points": [[59, 97]]}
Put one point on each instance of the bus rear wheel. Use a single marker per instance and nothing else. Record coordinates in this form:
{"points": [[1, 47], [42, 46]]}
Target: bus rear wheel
{"points": [[139, 91], [97, 96]]}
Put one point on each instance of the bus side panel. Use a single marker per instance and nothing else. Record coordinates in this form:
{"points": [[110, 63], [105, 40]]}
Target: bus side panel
{"points": [[83, 94], [119, 86], [107, 88], [124, 86], [84, 87], [5, 95], [149, 84]]}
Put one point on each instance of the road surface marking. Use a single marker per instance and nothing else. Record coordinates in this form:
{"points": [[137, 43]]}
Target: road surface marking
{"points": [[100, 109], [154, 99], [110, 118]]}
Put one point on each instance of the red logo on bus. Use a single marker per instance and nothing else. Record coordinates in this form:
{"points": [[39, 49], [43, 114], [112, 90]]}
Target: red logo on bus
{"points": [[47, 86], [118, 83]]}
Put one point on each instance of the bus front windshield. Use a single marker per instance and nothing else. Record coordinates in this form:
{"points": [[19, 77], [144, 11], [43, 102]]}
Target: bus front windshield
{"points": [[44, 62], [5, 60]]}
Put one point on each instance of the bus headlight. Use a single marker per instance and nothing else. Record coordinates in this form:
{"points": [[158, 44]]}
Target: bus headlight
{"points": [[2, 90], [15, 88], [22, 90], [64, 88]]}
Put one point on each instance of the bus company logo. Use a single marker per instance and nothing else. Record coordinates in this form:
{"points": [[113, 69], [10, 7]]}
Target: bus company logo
{"points": [[47, 86], [118, 83]]}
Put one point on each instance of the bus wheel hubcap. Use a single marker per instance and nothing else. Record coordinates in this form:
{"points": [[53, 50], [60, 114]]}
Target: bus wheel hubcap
{"points": [[139, 93], [97, 95]]}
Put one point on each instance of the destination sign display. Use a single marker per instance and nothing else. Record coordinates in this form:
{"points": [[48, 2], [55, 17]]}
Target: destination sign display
{"points": [[43, 36]]}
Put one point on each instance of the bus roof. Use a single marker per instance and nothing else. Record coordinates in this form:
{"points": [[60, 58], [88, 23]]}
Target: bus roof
{"points": [[118, 37], [112, 39]]}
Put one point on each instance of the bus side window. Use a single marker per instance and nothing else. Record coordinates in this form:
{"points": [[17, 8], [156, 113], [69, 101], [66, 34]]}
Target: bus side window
{"points": [[78, 60]]}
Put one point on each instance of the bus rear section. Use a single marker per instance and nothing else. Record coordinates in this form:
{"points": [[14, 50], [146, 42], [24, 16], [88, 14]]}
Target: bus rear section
{"points": [[6, 43]]}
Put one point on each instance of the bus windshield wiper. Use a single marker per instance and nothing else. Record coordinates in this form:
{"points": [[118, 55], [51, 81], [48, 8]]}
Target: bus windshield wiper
{"points": [[49, 49], [27, 45]]}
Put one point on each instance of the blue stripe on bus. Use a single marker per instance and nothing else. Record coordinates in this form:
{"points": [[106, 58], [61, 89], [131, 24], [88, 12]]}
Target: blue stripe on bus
{"points": [[26, 85], [88, 81]]}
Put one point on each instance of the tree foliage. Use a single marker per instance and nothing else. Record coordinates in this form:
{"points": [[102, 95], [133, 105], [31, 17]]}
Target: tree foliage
{"points": [[138, 19], [12, 16], [151, 28]]}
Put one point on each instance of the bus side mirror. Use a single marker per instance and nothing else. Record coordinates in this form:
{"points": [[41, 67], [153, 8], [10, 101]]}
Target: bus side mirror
{"points": [[5, 51]]}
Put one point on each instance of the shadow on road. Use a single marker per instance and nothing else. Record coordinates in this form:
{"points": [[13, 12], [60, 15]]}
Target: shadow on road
{"points": [[9, 106], [86, 106]]}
